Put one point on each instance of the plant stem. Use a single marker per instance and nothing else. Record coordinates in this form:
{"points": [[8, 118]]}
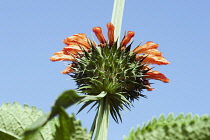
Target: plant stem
{"points": [[102, 120], [117, 16]]}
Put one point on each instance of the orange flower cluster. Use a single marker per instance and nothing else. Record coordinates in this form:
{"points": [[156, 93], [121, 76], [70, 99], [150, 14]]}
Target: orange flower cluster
{"points": [[148, 52], [151, 55]]}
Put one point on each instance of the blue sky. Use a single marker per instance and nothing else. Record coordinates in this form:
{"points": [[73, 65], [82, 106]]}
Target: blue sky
{"points": [[31, 31]]}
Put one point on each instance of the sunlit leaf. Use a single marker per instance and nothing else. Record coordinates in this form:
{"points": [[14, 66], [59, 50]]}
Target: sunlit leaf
{"points": [[66, 99], [14, 119], [69, 128], [169, 128]]}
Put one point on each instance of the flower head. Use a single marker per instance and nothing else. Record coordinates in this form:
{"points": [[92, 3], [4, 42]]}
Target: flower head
{"points": [[107, 67]]}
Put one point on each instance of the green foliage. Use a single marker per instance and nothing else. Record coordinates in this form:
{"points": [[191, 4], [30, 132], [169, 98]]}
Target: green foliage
{"points": [[69, 128], [14, 119], [180, 128], [66, 99]]}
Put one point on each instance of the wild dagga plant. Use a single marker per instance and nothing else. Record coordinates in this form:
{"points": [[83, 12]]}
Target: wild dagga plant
{"points": [[112, 70], [111, 77]]}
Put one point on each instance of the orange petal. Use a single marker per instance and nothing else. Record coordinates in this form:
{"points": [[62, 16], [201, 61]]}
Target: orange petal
{"points": [[76, 46], [99, 34], [78, 39], [61, 56], [127, 38], [74, 52], [74, 49], [145, 47], [157, 76], [153, 52], [152, 59], [110, 27], [68, 69]]}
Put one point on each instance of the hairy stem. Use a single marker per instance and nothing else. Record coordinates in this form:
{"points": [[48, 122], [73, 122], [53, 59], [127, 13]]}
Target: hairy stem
{"points": [[102, 120]]}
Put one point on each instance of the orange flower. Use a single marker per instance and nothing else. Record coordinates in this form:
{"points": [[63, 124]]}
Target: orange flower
{"points": [[99, 35], [76, 44], [147, 53], [111, 70], [156, 75], [127, 38], [153, 56], [152, 74], [62, 56], [110, 28], [150, 55]]}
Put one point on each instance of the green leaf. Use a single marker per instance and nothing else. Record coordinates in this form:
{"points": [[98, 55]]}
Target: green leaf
{"points": [[65, 127], [69, 128], [66, 99], [14, 119], [180, 128]]}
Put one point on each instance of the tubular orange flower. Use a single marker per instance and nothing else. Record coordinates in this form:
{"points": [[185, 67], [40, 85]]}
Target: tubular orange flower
{"points": [[110, 33], [62, 56], [152, 59], [145, 47], [151, 54], [120, 73], [99, 34], [152, 74], [79, 43], [78, 39], [157, 76], [76, 44], [127, 38]]}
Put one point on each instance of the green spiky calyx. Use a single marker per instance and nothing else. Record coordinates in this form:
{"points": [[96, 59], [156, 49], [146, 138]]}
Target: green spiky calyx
{"points": [[112, 70], [180, 128]]}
